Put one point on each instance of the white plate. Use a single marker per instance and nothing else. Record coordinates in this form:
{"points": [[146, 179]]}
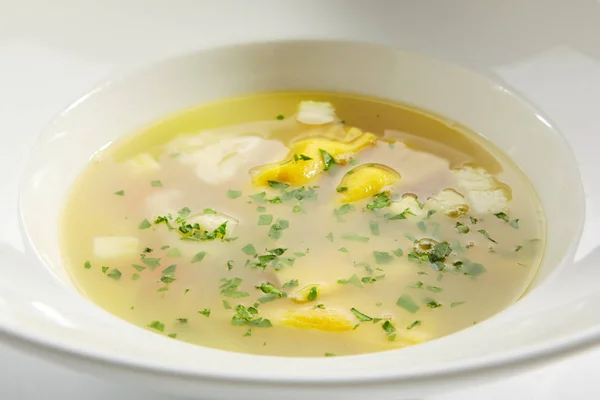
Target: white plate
{"points": [[566, 70]]}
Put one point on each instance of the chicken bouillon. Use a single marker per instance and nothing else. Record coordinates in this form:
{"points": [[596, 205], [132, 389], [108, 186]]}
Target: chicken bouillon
{"points": [[303, 224]]}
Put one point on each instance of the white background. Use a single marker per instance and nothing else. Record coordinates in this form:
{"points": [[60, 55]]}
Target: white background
{"points": [[51, 52]]}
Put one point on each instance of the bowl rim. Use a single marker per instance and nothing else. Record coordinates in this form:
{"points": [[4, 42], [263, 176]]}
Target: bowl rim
{"points": [[522, 357]]}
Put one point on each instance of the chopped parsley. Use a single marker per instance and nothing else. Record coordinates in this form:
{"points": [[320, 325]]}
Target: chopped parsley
{"points": [[87, 264], [234, 194], [380, 200], [279, 117], [486, 235], [157, 326], [398, 252], [259, 197], [226, 305], [421, 226], [353, 280], [261, 209], [174, 252], [268, 288], [229, 287], [344, 209], [456, 303], [406, 302], [156, 184], [278, 185], [182, 320], [230, 265], [502, 216], [429, 213], [135, 277], [374, 226], [199, 256], [330, 236], [114, 274], [343, 249], [389, 330], [473, 220], [312, 293], [249, 249], [145, 224], [205, 312], [382, 257], [104, 269], [354, 237], [297, 209], [433, 304], [341, 189], [361, 316], [291, 284], [439, 252], [417, 285], [434, 289], [276, 229], [461, 228], [514, 223], [248, 316], [327, 159], [413, 324], [302, 157], [265, 219], [120, 193], [517, 248], [402, 215]]}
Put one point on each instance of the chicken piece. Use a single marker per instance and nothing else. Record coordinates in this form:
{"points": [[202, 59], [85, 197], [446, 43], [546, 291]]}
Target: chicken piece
{"points": [[450, 202], [407, 202], [308, 158], [209, 221], [365, 181], [315, 112]]}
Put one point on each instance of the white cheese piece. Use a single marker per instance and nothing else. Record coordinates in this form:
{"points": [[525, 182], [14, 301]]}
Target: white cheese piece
{"points": [[407, 202], [315, 113], [483, 192], [225, 159], [143, 163], [115, 246], [210, 222]]}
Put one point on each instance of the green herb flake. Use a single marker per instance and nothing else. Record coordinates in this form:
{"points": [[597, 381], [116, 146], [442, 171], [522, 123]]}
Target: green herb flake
{"points": [[330, 236], [421, 226], [156, 184], [276, 229], [413, 324], [119, 193], [473, 269], [186, 291], [514, 223], [417, 285], [473, 220], [312, 294], [380, 200], [87, 264], [461, 228], [114, 274], [456, 303], [343, 249], [406, 302], [174, 252], [517, 248], [279, 117], [398, 252], [382, 257], [330, 355], [344, 209], [135, 277], [291, 284], [157, 326], [259, 197], [429, 213], [182, 320], [199, 256], [230, 265], [433, 289], [250, 250], [341, 189], [439, 252], [433, 304], [388, 327], [278, 185], [354, 237], [226, 305], [327, 159], [361, 316], [205, 312], [104, 269], [486, 235], [353, 280], [502, 216], [374, 226], [297, 209], [268, 288], [265, 219], [145, 224], [261, 209], [234, 194]]}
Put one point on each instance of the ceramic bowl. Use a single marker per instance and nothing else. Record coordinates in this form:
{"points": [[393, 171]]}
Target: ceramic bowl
{"points": [[41, 310]]}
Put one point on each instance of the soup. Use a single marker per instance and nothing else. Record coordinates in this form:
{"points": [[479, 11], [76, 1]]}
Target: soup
{"points": [[303, 224]]}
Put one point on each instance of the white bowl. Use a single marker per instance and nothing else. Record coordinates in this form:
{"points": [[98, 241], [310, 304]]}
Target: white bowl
{"points": [[41, 310]]}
